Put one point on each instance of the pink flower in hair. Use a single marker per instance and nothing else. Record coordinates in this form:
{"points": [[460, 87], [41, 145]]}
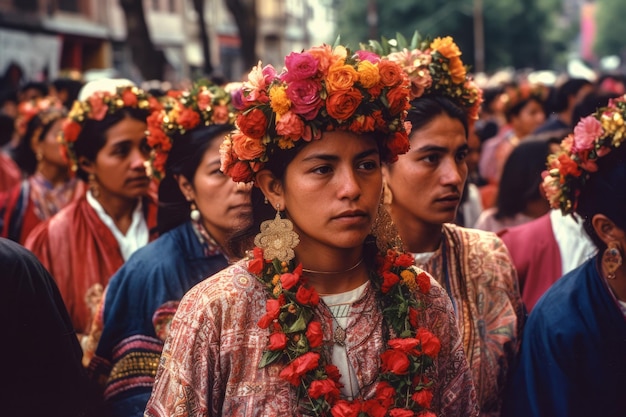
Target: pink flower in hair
{"points": [[586, 132]]}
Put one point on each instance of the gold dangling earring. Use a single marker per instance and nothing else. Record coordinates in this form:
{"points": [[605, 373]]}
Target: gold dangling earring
{"points": [[93, 186], [611, 259], [277, 238], [385, 230]]}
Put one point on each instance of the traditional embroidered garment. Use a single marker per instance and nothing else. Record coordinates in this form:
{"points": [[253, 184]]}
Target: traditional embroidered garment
{"points": [[42, 372], [33, 201], [559, 245], [210, 362], [573, 356], [476, 270], [139, 303], [82, 254]]}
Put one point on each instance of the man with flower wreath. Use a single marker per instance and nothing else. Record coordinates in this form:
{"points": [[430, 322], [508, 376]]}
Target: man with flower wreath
{"points": [[423, 194], [325, 317]]}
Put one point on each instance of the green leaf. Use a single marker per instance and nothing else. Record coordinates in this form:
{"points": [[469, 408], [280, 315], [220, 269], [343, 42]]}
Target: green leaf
{"points": [[297, 326], [402, 43], [269, 357], [415, 40], [337, 41]]}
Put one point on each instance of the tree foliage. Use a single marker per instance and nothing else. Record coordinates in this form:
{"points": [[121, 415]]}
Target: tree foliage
{"points": [[518, 34], [611, 31]]}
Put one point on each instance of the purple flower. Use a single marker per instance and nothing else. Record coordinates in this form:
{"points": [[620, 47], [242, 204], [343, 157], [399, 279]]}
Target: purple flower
{"points": [[236, 97]]}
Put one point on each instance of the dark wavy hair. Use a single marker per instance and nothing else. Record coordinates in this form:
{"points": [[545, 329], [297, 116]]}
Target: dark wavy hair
{"points": [[425, 109], [92, 137], [183, 159]]}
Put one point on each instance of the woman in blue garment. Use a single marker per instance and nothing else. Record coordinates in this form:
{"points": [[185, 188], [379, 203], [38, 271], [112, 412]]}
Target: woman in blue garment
{"points": [[573, 356], [199, 208]]}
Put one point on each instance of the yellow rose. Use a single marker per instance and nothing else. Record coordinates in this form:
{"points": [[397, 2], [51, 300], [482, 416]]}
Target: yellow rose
{"points": [[446, 47], [368, 74], [278, 100], [340, 77]]}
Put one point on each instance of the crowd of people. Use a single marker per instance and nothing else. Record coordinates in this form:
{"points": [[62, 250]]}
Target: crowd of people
{"points": [[359, 233]]}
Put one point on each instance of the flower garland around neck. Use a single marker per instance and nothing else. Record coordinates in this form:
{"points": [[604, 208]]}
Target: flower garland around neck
{"points": [[96, 107], [594, 137], [403, 387], [434, 68], [204, 104]]}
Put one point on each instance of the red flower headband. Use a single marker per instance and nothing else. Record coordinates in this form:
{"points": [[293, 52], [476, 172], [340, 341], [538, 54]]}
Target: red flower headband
{"points": [[96, 107], [182, 111], [320, 89], [594, 137], [26, 110]]}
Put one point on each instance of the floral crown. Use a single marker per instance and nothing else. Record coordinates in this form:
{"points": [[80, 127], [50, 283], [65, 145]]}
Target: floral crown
{"points": [[570, 168], [320, 89], [203, 105], [96, 107], [48, 108], [434, 68]]}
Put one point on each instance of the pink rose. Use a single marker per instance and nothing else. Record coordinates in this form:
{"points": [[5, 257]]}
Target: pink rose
{"points": [[305, 97], [299, 66], [367, 56], [586, 132], [290, 125]]}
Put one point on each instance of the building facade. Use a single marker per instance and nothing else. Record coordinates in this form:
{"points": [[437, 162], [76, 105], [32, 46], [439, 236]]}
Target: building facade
{"points": [[46, 38]]}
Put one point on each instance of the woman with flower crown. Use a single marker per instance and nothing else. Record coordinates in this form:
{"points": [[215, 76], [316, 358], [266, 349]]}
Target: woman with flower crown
{"points": [[317, 321], [199, 207], [473, 266], [573, 356], [85, 243], [49, 186]]}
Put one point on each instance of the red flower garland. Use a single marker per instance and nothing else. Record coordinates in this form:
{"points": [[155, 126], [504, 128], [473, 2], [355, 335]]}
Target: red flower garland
{"points": [[403, 389]]}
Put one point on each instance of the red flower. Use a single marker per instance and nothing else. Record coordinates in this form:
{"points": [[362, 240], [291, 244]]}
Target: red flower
{"points": [[399, 144], [423, 282], [314, 334], [389, 280], [394, 361], [568, 166], [256, 265], [325, 387], [129, 98], [252, 123], [423, 398], [307, 296], [374, 408], [239, 172], [273, 310], [278, 341], [400, 412], [430, 343], [427, 414], [406, 345], [342, 104], [332, 372], [294, 371], [188, 118], [288, 280], [345, 409], [385, 393], [405, 260], [71, 130]]}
